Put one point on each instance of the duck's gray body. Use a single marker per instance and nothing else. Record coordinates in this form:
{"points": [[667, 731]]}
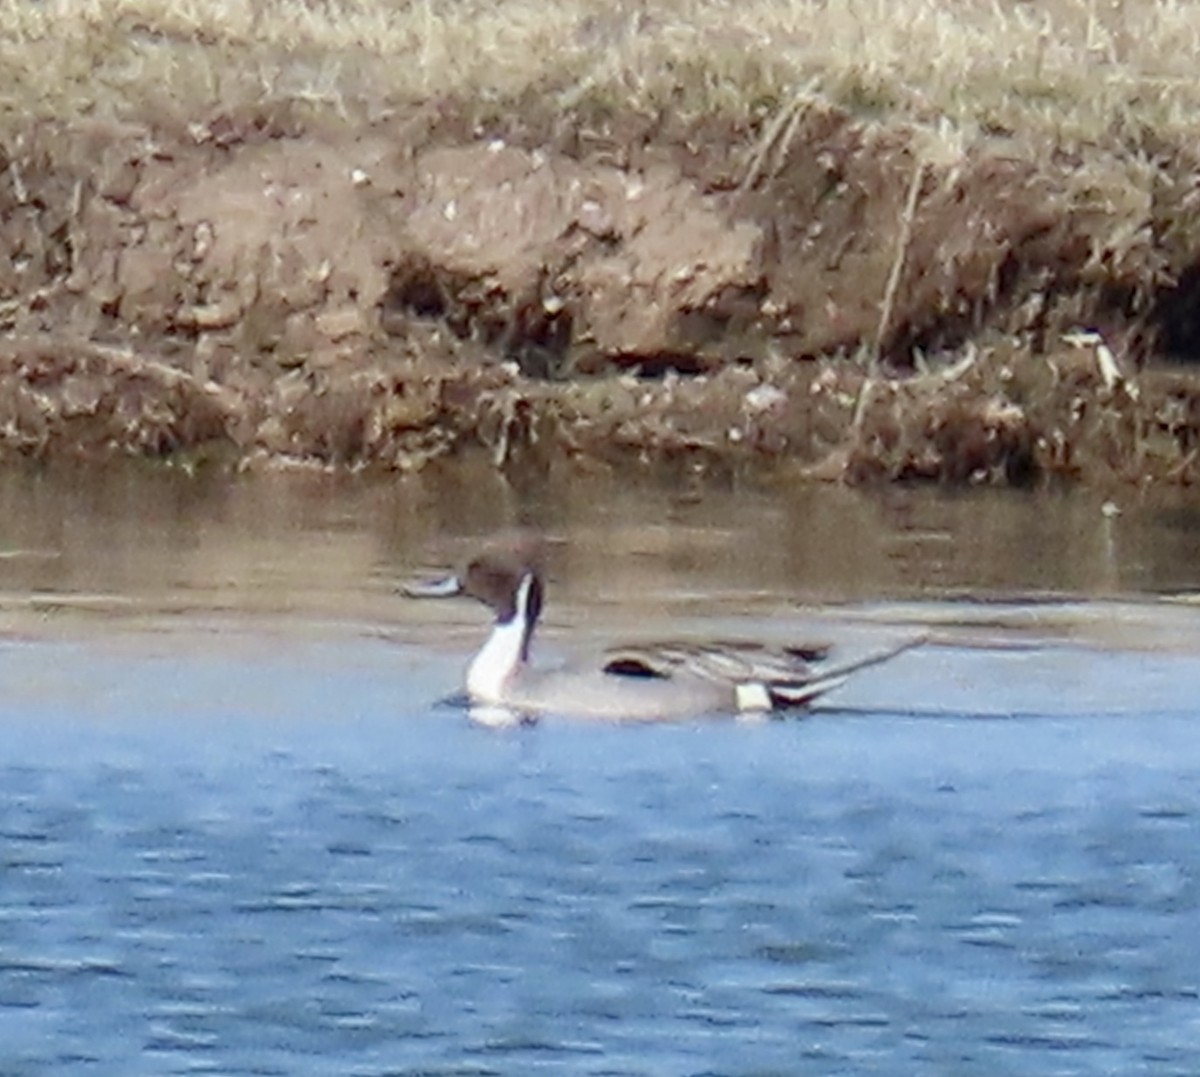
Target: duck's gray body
{"points": [[590, 691]]}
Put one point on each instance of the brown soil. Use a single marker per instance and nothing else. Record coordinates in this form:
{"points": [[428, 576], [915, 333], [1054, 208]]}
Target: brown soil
{"points": [[816, 296]]}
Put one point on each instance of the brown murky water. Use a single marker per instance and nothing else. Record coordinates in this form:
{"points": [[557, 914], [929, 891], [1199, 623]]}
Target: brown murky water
{"points": [[136, 546]]}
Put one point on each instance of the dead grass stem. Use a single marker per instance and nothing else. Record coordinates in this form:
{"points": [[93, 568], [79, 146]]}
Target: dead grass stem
{"points": [[903, 239]]}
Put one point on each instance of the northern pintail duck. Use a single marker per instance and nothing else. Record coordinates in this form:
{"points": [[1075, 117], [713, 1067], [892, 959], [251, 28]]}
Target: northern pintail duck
{"points": [[639, 682]]}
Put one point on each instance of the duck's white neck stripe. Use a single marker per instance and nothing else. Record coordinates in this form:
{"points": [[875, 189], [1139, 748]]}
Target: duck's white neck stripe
{"points": [[502, 655]]}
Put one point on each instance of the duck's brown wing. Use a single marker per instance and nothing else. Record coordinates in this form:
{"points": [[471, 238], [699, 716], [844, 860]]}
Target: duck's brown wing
{"points": [[764, 677], [726, 661]]}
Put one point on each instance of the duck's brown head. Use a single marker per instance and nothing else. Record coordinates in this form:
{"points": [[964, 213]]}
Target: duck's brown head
{"points": [[506, 575]]}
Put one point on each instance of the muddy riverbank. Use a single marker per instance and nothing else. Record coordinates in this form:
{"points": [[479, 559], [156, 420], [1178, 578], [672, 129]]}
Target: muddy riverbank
{"points": [[803, 291]]}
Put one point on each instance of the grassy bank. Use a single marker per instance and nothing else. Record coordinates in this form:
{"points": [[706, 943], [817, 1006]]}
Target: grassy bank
{"points": [[851, 239], [1071, 70]]}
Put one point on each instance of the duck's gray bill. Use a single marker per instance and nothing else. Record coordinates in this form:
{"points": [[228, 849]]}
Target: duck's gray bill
{"points": [[444, 588]]}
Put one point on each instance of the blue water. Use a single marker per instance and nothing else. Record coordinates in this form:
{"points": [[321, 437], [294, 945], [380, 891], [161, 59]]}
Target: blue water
{"points": [[277, 858]]}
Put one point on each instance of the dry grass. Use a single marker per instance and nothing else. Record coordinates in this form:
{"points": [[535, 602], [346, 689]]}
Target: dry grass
{"points": [[1070, 69]]}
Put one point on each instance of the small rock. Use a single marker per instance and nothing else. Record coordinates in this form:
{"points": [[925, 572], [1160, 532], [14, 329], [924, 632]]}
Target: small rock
{"points": [[764, 398]]}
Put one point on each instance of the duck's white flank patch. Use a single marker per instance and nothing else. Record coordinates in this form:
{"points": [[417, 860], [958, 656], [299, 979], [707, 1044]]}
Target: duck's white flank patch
{"points": [[499, 658], [752, 696]]}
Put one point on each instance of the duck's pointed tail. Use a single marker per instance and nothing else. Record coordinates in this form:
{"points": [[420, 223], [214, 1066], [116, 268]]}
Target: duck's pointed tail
{"points": [[801, 694]]}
